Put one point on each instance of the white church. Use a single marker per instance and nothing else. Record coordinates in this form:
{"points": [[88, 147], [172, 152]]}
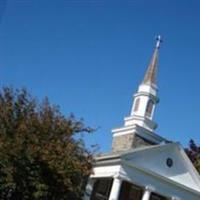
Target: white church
{"points": [[143, 165]]}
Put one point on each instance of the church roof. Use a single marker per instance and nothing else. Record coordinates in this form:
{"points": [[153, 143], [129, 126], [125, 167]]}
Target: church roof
{"points": [[151, 73]]}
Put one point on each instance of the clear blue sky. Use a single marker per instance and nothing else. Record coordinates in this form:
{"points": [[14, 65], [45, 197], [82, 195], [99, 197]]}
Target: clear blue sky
{"points": [[88, 56]]}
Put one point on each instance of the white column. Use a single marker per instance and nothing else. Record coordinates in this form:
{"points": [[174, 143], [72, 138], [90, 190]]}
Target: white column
{"points": [[147, 194], [115, 191], [89, 188]]}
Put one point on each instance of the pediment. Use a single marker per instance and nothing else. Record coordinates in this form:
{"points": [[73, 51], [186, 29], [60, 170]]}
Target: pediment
{"points": [[167, 160]]}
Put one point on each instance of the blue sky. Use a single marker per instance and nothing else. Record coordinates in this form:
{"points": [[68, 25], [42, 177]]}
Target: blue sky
{"points": [[88, 56]]}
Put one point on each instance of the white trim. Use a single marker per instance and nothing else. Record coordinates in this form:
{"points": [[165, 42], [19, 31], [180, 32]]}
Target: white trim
{"points": [[123, 133], [124, 128]]}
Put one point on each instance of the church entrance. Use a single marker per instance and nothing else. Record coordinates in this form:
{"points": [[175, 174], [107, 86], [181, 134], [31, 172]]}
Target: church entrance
{"points": [[128, 191]]}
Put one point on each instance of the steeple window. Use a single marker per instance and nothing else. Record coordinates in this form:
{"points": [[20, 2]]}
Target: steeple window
{"points": [[149, 108], [137, 102]]}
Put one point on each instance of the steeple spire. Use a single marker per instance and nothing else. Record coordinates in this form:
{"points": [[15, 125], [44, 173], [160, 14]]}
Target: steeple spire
{"points": [[151, 73]]}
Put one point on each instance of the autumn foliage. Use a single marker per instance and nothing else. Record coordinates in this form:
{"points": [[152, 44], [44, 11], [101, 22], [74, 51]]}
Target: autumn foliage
{"points": [[193, 152], [39, 155]]}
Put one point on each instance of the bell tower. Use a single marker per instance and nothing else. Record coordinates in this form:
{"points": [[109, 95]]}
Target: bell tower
{"points": [[139, 127]]}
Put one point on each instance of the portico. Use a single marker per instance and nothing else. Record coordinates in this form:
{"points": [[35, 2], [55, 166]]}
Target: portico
{"points": [[126, 190]]}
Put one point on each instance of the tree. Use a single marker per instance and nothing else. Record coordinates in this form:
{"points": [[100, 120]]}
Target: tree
{"points": [[39, 155], [193, 152]]}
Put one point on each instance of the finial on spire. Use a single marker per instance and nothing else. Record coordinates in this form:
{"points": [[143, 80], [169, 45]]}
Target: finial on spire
{"points": [[151, 73], [159, 40]]}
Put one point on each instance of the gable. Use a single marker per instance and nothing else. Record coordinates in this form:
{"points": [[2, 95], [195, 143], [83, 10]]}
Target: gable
{"points": [[167, 160]]}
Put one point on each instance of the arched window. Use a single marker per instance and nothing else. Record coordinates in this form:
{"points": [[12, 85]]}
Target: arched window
{"points": [[137, 102], [149, 108]]}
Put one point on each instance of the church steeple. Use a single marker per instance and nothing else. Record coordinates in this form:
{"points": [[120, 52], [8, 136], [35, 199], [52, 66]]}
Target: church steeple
{"points": [[146, 97], [151, 73], [139, 127]]}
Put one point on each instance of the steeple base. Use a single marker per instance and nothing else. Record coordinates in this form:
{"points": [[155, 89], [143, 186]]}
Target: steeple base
{"points": [[129, 141], [129, 137]]}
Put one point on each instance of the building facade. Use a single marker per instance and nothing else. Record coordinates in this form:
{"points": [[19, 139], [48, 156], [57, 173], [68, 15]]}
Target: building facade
{"points": [[143, 165]]}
